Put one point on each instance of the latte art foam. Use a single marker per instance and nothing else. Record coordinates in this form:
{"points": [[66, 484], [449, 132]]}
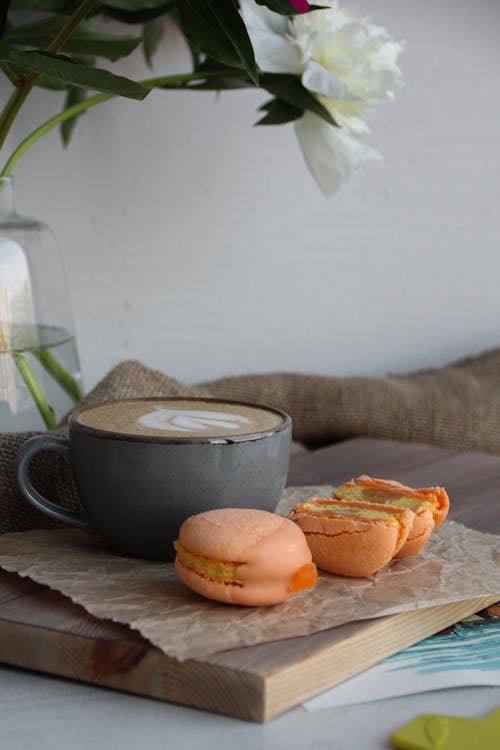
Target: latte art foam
{"points": [[186, 420], [180, 418]]}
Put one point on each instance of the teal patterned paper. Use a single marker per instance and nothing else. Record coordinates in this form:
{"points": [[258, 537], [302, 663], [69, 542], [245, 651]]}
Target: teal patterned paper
{"points": [[467, 653]]}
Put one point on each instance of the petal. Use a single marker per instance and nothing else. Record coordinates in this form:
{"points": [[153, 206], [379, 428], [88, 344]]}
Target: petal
{"points": [[275, 54], [260, 17], [275, 51], [387, 55], [318, 79], [331, 154], [350, 116], [360, 53]]}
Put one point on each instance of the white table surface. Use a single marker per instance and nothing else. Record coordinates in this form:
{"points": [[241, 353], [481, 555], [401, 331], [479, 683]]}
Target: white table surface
{"points": [[41, 712]]}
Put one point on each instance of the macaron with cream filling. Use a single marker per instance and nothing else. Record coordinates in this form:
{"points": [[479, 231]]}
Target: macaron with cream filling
{"points": [[430, 505], [352, 538], [243, 556]]}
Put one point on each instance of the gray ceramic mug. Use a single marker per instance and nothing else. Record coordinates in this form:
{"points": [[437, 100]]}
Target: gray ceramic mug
{"points": [[137, 489]]}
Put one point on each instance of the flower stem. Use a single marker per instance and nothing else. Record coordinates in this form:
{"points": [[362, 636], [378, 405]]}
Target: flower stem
{"points": [[179, 81], [24, 87], [67, 382], [67, 114], [46, 411]]}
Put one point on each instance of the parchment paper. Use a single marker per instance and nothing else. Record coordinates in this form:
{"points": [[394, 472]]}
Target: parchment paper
{"points": [[457, 563]]}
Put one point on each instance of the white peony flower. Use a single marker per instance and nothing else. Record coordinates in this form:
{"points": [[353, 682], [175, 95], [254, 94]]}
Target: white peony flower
{"points": [[347, 62]]}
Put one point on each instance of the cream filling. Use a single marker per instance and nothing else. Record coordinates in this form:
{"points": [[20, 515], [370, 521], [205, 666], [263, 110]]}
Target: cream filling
{"points": [[369, 495], [341, 510], [219, 569]]}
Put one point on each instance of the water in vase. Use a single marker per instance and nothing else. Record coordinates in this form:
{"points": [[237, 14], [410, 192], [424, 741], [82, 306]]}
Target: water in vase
{"points": [[44, 358]]}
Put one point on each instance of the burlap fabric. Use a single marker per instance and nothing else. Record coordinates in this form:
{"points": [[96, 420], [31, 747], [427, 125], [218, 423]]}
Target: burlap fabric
{"points": [[456, 406]]}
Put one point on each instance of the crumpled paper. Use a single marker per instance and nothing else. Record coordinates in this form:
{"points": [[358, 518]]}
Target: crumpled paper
{"points": [[457, 564]]}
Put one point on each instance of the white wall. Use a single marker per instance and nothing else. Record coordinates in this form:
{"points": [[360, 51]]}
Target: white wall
{"points": [[201, 245]]}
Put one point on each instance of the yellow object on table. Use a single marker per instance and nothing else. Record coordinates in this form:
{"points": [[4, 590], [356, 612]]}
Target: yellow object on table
{"points": [[434, 732]]}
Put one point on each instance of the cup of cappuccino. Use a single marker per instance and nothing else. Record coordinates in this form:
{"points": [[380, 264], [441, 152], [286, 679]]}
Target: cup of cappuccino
{"points": [[142, 466]]}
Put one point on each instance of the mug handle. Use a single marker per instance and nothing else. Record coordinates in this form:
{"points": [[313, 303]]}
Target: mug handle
{"points": [[33, 446]]}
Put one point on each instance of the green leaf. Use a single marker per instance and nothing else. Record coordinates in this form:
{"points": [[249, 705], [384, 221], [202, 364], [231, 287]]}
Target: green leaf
{"points": [[216, 28], [226, 79], [290, 89], [3, 17], [134, 6], [204, 33], [130, 11], [227, 14], [136, 11], [51, 6], [44, 82], [153, 32], [60, 69], [85, 40], [279, 112], [73, 96]]}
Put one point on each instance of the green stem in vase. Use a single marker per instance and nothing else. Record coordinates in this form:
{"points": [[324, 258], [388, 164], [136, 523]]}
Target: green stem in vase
{"points": [[46, 411], [67, 382]]}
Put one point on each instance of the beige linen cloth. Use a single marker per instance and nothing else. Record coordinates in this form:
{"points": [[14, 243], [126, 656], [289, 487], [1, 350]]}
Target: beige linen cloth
{"points": [[456, 406]]}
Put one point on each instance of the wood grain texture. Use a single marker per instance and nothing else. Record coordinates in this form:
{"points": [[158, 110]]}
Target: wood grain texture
{"points": [[43, 630]]}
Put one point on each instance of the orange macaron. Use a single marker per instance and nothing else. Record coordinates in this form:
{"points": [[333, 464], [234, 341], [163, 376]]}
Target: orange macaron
{"points": [[430, 505], [352, 538], [243, 556]]}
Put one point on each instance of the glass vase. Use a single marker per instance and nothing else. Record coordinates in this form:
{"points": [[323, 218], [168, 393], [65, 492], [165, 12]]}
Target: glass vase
{"points": [[40, 377]]}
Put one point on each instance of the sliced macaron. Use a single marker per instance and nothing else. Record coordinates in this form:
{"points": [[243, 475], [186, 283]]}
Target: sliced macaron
{"points": [[352, 538], [430, 505]]}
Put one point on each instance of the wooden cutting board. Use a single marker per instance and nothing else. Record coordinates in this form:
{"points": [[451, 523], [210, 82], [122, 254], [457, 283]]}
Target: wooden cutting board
{"points": [[43, 630]]}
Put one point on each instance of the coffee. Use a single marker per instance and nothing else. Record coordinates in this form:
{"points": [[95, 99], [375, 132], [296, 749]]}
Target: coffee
{"points": [[180, 418]]}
